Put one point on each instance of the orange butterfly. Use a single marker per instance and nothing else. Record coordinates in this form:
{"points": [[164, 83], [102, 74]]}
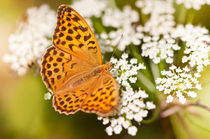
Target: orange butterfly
{"points": [[72, 68]]}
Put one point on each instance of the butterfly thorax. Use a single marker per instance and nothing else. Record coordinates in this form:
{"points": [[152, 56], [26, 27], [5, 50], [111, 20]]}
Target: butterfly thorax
{"points": [[95, 73], [101, 69]]}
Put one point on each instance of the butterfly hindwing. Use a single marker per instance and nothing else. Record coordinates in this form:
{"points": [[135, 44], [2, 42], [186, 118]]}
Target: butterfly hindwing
{"points": [[69, 102], [73, 35], [104, 97]]}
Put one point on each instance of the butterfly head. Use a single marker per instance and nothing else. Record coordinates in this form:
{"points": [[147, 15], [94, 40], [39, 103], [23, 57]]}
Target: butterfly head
{"points": [[108, 66]]}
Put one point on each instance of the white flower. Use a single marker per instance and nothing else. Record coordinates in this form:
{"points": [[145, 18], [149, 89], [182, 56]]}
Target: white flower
{"points": [[29, 42], [47, 96], [126, 124], [169, 99], [105, 121], [192, 94], [117, 129], [109, 131], [150, 105], [138, 117], [132, 130]]}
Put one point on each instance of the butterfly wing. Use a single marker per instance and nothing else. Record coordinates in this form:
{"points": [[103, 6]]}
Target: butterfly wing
{"points": [[69, 100], [59, 67], [103, 97], [73, 35], [59, 70], [74, 39]]}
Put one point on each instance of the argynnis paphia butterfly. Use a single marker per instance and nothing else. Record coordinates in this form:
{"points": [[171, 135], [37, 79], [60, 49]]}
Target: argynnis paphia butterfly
{"points": [[72, 68]]}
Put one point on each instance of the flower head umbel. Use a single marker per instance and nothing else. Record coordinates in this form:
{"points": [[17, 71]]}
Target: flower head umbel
{"points": [[92, 9], [182, 82], [162, 39], [31, 39], [159, 49], [178, 83], [195, 4], [196, 50], [123, 21], [132, 106], [157, 43], [161, 20]]}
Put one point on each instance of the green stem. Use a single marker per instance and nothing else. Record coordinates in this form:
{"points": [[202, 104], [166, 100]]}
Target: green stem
{"points": [[155, 115], [179, 54], [190, 16], [140, 83], [135, 53], [146, 85], [143, 18], [196, 124], [182, 14], [97, 25], [161, 67], [149, 69], [148, 72]]}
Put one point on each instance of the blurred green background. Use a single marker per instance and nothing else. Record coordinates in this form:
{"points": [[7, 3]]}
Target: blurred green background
{"points": [[25, 114]]}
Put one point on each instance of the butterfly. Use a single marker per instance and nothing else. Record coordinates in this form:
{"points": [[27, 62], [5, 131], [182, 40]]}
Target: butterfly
{"points": [[72, 68]]}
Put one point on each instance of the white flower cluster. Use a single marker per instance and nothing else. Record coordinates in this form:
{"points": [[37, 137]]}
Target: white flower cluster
{"points": [[123, 22], [132, 106], [197, 48], [162, 40], [179, 83], [47, 96], [195, 4], [161, 20], [29, 42], [89, 8], [87, 12], [157, 42], [159, 49]]}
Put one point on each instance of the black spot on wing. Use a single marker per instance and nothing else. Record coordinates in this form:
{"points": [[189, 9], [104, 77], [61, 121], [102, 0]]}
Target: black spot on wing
{"points": [[87, 37]]}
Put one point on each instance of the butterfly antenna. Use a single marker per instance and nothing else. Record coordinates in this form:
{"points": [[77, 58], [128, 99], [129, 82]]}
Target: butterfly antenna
{"points": [[117, 45]]}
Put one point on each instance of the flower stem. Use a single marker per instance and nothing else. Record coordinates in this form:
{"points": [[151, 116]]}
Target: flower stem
{"points": [[161, 67], [190, 16], [181, 14], [148, 72], [155, 115]]}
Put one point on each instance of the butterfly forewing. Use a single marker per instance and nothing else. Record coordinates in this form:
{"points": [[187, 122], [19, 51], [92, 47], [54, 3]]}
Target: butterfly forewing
{"points": [[73, 35], [58, 67]]}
